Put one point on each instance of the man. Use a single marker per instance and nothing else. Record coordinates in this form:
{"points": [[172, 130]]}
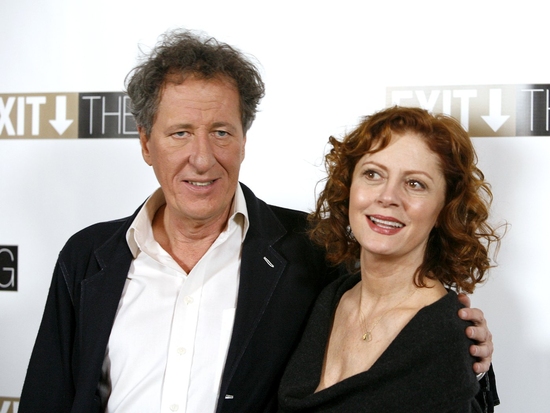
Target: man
{"points": [[195, 302]]}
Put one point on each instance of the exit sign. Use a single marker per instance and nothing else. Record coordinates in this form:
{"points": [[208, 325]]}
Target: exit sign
{"points": [[494, 110], [66, 115]]}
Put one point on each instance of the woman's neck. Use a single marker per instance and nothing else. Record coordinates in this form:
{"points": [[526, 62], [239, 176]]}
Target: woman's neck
{"points": [[384, 277]]}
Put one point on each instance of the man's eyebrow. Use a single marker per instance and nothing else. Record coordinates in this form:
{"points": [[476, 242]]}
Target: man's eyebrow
{"points": [[223, 124]]}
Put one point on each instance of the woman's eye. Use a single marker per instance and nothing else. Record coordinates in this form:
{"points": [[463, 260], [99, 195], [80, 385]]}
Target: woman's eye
{"points": [[370, 174], [416, 184]]}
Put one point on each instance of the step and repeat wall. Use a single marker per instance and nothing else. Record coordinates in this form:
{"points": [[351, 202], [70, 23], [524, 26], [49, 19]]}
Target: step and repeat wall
{"points": [[69, 156]]}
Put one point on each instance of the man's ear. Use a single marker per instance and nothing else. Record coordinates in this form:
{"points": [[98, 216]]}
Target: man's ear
{"points": [[144, 142]]}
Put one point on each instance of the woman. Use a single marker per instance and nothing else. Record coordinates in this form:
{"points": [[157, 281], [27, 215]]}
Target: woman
{"points": [[405, 201]]}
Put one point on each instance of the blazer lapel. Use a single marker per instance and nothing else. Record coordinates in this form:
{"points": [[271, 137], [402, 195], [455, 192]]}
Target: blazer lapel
{"points": [[261, 269]]}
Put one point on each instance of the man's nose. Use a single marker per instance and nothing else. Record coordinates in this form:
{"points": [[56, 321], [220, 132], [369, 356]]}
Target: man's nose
{"points": [[201, 154]]}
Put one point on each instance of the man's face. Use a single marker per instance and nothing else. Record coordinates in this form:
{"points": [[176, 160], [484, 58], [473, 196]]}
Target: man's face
{"points": [[196, 148]]}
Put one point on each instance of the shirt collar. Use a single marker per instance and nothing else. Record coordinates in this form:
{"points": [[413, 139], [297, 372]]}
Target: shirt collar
{"points": [[141, 229]]}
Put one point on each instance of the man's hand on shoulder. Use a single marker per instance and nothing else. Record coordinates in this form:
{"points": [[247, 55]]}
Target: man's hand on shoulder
{"points": [[479, 332]]}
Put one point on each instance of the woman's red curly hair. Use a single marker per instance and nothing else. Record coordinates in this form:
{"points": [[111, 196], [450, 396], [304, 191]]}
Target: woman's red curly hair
{"points": [[457, 252]]}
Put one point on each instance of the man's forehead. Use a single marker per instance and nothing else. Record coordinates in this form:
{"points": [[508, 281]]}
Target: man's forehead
{"points": [[178, 78], [175, 80]]}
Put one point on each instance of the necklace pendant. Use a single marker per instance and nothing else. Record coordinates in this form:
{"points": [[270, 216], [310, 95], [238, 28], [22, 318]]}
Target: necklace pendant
{"points": [[367, 336]]}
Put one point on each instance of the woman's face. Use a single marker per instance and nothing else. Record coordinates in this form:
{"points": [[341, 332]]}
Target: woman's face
{"points": [[396, 196]]}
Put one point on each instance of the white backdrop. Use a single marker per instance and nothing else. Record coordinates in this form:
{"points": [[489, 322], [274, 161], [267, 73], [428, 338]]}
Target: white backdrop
{"points": [[325, 65]]}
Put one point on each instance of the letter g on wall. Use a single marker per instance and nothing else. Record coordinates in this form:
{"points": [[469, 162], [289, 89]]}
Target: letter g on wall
{"points": [[8, 268]]}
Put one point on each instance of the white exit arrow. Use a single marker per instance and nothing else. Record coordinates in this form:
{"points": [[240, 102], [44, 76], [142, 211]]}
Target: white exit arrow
{"points": [[495, 119], [61, 123]]}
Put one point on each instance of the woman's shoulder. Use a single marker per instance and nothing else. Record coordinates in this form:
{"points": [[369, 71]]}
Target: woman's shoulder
{"points": [[445, 309], [440, 334]]}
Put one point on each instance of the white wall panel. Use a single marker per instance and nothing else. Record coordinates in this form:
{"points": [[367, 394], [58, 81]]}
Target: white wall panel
{"points": [[325, 65]]}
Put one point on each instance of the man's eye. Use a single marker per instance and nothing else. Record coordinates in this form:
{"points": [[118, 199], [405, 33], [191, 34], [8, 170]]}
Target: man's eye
{"points": [[222, 133], [180, 134]]}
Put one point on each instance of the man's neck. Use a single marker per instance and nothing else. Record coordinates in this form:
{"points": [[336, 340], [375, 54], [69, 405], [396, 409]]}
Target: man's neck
{"points": [[185, 241]]}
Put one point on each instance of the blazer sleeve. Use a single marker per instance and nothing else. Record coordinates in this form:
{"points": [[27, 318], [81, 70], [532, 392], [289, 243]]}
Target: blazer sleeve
{"points": [[48, 385], [487, 397]]}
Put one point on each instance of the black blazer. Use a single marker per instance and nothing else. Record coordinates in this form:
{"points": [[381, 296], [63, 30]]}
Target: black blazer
{"points": [[281, 275]]}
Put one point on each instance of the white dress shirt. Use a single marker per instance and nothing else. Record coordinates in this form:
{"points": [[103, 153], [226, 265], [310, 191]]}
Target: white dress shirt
{"points": [[171, 333]]}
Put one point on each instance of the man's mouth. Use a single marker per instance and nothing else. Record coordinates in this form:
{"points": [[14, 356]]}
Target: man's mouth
{"points": [[196, 183]]}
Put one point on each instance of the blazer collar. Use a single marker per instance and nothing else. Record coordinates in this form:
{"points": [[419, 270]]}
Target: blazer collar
{"points": [[100, 293]]}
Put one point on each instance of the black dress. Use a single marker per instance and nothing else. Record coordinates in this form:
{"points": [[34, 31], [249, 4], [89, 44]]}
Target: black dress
{"points": [[426, 369]]}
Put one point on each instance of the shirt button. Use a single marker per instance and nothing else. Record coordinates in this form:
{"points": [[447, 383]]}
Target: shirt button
{"points": [[174, 407], [189, 300], [181, 351]]}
